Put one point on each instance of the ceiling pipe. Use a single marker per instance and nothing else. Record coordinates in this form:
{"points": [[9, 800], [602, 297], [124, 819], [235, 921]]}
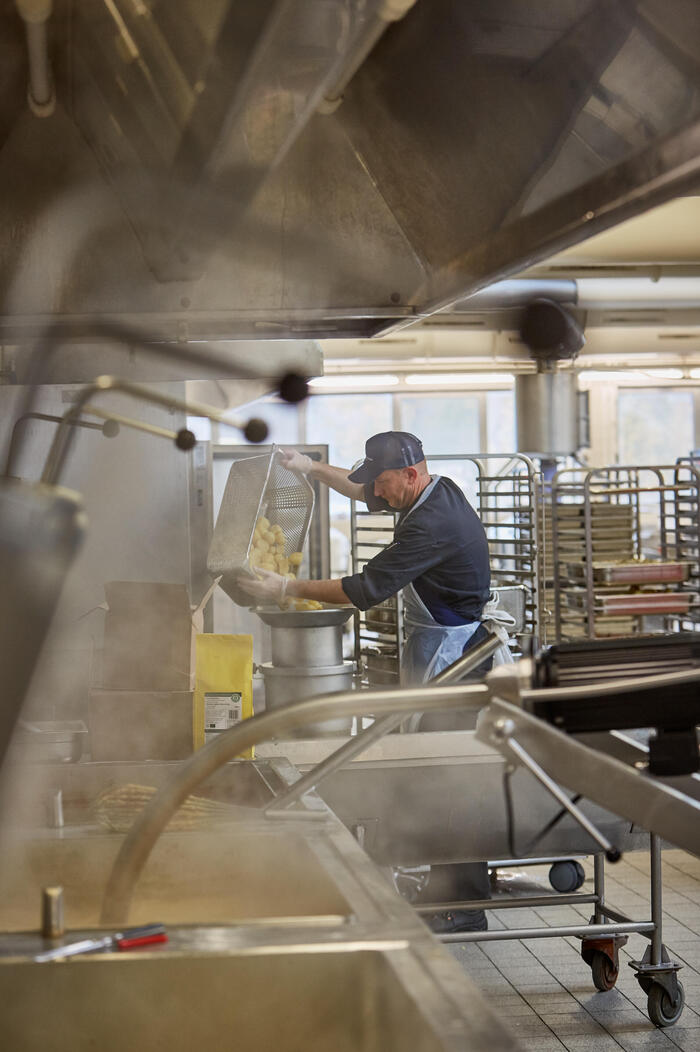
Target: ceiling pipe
{"points": [[585, 293], [517, 293], [369, 33], [40, 92]]}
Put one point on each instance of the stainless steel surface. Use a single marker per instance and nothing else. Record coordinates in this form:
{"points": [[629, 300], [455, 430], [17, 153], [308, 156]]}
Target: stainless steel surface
{"points": [[306, 638], [551, 786], [41, 530], [310, 619], [358, 995], [580, 930], [322, 645], [438, 798], [355, 746], [153, 819], [285, 685], [513, 600], [668, 807], [547, 412], [287, 905], [189, 143]]}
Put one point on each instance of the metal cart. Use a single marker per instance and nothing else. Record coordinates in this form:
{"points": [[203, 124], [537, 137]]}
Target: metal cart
{"points": [[613, 773], [625, 549]]}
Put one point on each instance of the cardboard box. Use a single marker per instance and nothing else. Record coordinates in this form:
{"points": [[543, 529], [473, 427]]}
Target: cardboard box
{"points": [[147, 637], [143, 725]]}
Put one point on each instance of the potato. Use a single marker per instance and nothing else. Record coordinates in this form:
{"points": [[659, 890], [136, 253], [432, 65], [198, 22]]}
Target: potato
{"points": [[282, 564], [269, 536], [263, 523], [262, 546], [296, 558]]}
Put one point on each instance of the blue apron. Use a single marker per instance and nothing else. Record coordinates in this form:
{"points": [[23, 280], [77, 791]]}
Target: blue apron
{"points": [[429, 647]]}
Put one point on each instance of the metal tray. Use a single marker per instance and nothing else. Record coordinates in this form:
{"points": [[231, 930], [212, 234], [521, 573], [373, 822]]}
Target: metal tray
{"points": [[633, 603], [632, 572]]}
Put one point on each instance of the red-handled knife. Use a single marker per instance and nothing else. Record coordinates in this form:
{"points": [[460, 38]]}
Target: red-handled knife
{"points": [[121, 940]]}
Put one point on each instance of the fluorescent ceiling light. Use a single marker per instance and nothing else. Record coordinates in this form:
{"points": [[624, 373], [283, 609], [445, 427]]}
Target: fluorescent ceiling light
{"points": [[365, 380], [610, 376], [665, 374], [631, 375], [458, 378]]}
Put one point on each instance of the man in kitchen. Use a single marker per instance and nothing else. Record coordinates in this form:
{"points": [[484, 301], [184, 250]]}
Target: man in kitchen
{"points": [[438, 558]]}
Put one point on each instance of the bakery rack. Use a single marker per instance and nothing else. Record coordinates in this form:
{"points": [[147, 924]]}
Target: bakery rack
{"points": [[625, 549]]}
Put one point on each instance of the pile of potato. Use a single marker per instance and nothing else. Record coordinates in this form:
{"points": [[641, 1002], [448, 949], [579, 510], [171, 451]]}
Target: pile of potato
{"points": [[268, 551]]}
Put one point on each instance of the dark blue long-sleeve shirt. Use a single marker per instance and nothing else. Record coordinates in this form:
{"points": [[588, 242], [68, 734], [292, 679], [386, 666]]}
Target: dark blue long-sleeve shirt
{"points": [[440, 547]]}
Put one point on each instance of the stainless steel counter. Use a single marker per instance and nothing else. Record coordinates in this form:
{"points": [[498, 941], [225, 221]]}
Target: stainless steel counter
{"points": [[282, 934], [438, 798]]}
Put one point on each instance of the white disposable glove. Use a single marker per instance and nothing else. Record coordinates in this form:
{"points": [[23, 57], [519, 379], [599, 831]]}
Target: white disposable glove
{"points": [[270, 588], [293, 460]]}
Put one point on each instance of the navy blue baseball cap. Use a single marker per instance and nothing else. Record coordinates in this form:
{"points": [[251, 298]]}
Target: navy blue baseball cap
{"points": [[387, 451]]}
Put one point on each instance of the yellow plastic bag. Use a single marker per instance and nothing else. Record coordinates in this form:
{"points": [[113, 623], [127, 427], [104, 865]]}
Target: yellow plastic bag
{"points": [[223, 693]]}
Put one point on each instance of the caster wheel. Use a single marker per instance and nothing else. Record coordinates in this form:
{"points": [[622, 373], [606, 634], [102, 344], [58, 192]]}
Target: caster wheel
{"points": [[566, 876], [662, 1010], [603, 971]]}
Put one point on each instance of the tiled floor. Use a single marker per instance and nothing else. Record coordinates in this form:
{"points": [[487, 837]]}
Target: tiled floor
{"points": [[545, 989]]}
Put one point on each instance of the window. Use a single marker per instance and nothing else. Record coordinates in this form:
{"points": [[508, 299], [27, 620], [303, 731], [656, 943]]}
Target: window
{"points": [[282, 420], [444, 423], [654, 426], [345, 422], [500, 422]]}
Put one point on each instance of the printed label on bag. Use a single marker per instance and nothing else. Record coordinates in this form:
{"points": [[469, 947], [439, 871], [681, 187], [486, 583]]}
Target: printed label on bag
{"points": [[222, 710]]}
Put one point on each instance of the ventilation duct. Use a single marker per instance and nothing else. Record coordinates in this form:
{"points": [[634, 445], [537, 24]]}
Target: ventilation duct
{"points": [[546, 401]]}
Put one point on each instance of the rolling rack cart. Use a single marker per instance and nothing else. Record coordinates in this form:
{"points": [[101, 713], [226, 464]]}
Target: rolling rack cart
{"points": [[508, 496], [557, 723], [625, 550]]}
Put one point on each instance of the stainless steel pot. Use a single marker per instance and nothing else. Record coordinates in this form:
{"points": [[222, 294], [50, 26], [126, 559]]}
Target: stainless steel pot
{"points": [[306, 638], [286, 685]]}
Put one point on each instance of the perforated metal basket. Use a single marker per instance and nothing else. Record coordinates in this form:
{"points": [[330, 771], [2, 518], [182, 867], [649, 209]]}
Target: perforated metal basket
{"points": [[257, 486]]}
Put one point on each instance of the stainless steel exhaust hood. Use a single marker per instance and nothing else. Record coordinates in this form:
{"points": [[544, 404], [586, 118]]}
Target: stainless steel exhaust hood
{"points": [[190, 179]]}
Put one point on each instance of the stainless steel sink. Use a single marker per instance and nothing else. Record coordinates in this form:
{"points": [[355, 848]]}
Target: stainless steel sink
{"points": [[364, 1000], [282, 935], [215, 877], [251, 867]]}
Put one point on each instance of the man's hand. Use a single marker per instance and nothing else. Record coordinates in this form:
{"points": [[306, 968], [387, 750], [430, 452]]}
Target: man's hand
{"points": [[270, 588], [295, 461]]}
